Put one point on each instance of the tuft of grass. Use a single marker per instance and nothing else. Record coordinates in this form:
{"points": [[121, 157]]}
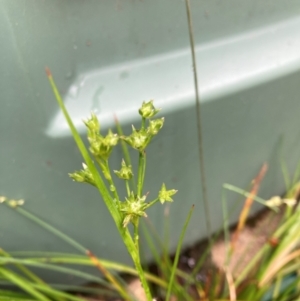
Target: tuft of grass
{"points": [[271, 275]]}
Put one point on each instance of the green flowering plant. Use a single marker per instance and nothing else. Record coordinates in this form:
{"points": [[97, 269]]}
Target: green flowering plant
{"points": [[101, 148], [129, 209]]}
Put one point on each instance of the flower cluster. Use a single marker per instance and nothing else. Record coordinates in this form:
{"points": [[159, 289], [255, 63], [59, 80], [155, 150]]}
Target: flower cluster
{"points": [[139, 139], [125, 172], [133, 208], [100, 146], [83, 176]]}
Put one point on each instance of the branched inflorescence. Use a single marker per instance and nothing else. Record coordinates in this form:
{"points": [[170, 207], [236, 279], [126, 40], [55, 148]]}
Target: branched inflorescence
{"points": [[134, 205]]}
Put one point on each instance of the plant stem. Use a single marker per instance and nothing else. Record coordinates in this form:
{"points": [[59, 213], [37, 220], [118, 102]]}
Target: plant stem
{"points": [[139, 268], [141, 172], [133, 251], [115, 213], [199, 126], [152, 203], [78, 246], [125, 151], [51, 229], [136, 236], [176, 259], [26, 271], [112, 186], [24, 284], [143, 123], [127, 187], [61, 258]]}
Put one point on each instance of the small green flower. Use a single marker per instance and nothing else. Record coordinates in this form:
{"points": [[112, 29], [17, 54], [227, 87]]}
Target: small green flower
{"points": [[164, 195], [139, 139], [125, 172], [101, 147], [93, 126], [83, 176], [148, 110], [133, 208], [155, 126]]}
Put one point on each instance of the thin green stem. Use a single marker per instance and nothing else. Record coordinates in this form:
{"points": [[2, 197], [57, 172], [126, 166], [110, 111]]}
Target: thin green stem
{"points": [[277, 286], [247, 194], [22, 283], [141, 172], [296, 174], [144, 170], [112, 185], [50, 228], [176, 259], [24, 270], [131, 247], [199, 125], [143, 123], [56, 268], [284, 169], [127, 187], [136, 236], [86, 156], [29, 274], [83, 260], [76, 245], [56, 293], [141, 273], [125, 152], [151, 203]]}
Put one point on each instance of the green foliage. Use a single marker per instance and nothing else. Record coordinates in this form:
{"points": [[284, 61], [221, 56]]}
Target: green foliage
{"points": [[262, 279], [134, 206]]}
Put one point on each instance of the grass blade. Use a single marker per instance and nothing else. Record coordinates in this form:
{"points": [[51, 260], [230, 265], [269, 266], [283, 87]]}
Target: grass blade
{"points": [[247, 194], [22, 283], [76, 245], [171, 281], [284, 169], [59, 258], [247, 205], [85, 154], [199, 125]]}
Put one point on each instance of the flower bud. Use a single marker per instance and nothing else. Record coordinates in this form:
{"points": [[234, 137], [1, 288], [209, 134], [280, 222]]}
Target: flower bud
{"points": [[148, 110], [125, 172], [83, 176], [155, 125], [101, 147], [93, 125]]}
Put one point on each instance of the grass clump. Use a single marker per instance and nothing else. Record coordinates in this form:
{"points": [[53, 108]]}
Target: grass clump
{"points": [[270, 275]]}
